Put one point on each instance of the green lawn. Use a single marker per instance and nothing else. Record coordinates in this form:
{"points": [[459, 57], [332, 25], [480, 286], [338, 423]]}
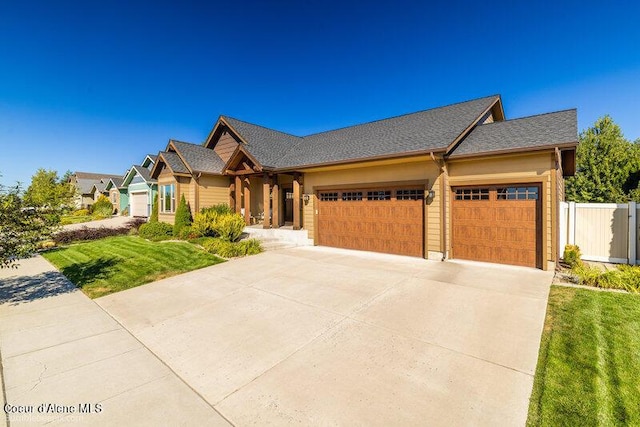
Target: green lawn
{"points": [[588, 370], [109, 265], [74, 219]]}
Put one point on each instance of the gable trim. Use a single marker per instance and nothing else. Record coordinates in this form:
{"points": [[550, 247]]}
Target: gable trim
{"points": [[473, 124]]}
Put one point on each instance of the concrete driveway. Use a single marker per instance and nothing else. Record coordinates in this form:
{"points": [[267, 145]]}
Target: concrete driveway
{"points": [[323, 336]]}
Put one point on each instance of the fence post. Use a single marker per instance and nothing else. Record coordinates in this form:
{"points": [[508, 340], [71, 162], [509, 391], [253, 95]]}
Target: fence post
{"points": [[632, 233], [572, 223]]}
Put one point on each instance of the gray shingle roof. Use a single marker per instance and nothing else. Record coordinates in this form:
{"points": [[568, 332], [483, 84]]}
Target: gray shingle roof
{"points": [[86, 180], [426, 130], [174, 162], [268, 146], [199, 158], [546, 129], [144, 173]]}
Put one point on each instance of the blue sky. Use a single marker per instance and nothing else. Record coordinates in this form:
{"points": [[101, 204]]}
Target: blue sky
{"points": [[94, 86]]}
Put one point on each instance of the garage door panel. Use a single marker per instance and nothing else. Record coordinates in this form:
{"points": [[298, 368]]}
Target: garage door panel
{"points": [[389, 226], [497, 225]]}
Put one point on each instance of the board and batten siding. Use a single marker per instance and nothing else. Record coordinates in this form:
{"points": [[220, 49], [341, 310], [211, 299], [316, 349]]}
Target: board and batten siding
{"points": [[225, 146], [507, 169], [421, 169]]}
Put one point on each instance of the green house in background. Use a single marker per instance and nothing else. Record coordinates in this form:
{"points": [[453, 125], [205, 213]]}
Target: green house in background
{"points": [[140, 188]]}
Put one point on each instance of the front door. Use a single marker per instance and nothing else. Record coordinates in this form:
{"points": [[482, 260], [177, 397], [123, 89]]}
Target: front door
{"points": [[287, 202]]}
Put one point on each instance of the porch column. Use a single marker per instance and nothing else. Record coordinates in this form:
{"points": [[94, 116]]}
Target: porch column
{"points": [[232, 193], [296, 201], [266, 189], [238, 192], [247, 201], [275, 197]]}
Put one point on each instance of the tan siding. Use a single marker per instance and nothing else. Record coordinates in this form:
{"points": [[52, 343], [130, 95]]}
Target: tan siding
{"points": [[525, 167], [164, 172], [365, 174], [213, 190], [116, 204], [489, 119], [225, 146]]}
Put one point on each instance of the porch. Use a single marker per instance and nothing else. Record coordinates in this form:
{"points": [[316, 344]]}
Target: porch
{"points": [[268, 201]]}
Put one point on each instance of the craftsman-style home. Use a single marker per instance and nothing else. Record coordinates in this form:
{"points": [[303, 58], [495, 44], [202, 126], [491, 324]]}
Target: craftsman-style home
{"points": [[458, 181]]}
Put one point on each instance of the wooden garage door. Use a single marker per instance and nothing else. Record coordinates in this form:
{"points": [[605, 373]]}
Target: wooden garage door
{"points": [[138, 204], [497, 224], [389, 220]]}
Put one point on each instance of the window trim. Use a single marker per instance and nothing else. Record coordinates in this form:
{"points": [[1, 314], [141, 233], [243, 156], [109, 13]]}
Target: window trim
{"points": [[162, 200]]}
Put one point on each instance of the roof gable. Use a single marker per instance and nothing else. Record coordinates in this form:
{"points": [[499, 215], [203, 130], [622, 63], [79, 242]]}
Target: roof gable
{"points": [[137, 170], [526, 133], [196, 158]]}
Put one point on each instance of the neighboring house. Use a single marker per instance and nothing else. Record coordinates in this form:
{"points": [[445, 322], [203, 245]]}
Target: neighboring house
{"points": [[117, 194], [140, 188], [457, 181], [84, 183]]}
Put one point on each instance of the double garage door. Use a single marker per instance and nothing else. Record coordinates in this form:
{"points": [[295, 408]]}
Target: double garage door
{"points": [[385, 219], [498, 224]]}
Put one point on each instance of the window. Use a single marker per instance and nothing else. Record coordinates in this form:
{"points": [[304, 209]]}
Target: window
{"points": [[379, 195], [472, 194], [409, 194], [167, 198], [351, 195], [329, 197], [518, 193], [113, 197]]}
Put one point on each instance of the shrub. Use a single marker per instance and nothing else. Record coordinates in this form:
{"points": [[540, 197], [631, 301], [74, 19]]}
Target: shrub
{"points": [[135, 223], [220, 209], [103, 207], [188, 233], [125, 212], [80, 212], [86, 233], [204, 223], [222, 247], [227, 249], [156, 231], [154, 209], [571, 255], [229, 227], [587, 275], [183, 216]]}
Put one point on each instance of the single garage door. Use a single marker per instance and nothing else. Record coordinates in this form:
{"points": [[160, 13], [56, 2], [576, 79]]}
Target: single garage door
{"points": [[389, 220], [138, 204], [498, 224]]}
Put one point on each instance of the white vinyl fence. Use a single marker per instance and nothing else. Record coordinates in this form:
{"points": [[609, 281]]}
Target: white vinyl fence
{"points": [[604, 231]]}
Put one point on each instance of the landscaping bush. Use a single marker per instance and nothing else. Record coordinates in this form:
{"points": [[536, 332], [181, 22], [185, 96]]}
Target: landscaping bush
{"points": [[220, 209], [188, 233], [154, 210], [136, 223], [204, 223], [86, 233], [125, 212], [229, 227], [156, 231], [227, 249], [183, 216], [80, 212], [571, 255], [102, 208]]}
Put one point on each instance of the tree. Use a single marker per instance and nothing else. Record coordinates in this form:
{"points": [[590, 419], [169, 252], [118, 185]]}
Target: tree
{"points": [[608, 165], [154, 209], [22, 227], [46, 190], [183, 216]]}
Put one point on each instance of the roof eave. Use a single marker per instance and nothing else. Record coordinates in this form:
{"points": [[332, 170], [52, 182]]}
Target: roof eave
{"points": [[537, 148]]}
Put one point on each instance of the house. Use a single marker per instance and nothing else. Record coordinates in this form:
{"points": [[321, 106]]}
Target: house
{"points": [[140, 188], [191, 170], [84, 183], [117, 194], [459, 181]]}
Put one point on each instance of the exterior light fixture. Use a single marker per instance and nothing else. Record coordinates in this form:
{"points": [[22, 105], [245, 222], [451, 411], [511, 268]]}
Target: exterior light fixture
{"points": [[305, 197]]}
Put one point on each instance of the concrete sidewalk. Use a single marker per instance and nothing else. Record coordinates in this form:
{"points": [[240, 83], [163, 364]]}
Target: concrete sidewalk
{"points": [[66, 360]]}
